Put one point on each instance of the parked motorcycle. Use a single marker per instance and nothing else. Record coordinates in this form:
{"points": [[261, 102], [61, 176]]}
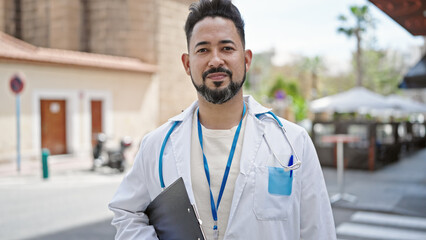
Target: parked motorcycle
{"points": [[113, 158]]}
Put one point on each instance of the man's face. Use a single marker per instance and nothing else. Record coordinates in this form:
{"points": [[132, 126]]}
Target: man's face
{"points": [[217, 61]]}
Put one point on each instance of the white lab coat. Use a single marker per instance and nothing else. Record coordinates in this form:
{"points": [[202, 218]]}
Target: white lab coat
{"points": [[255, 213]]}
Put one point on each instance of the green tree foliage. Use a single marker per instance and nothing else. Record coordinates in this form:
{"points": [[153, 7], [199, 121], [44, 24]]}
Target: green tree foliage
{"points": [[363, 21], [260, 70], [336, 83], [383, 70], [291, 89], [313, 66]]}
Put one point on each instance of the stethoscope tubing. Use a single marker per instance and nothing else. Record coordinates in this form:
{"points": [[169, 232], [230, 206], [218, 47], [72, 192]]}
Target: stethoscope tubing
{"points": [[281, 126], [278, 122]]}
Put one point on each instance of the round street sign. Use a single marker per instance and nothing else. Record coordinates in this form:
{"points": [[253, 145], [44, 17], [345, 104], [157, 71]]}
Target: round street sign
{"points": [[17, 83]]}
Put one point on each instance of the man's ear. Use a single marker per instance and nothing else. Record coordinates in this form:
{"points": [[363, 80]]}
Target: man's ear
{"points": [[248, 55], [185, 62]]}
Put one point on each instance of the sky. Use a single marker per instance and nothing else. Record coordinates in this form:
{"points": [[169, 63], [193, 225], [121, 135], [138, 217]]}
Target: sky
{"points": [[308, 27]]}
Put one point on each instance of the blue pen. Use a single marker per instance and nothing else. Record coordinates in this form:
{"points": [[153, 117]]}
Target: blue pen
{"points": [[290, 162]]}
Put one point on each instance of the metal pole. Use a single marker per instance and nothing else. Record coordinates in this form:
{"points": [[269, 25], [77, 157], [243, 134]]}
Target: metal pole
{"points": [[18, 131], [340, 176], [45, 165], [340, 166]]}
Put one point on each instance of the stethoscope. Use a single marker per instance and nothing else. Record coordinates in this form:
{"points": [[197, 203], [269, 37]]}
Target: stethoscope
{"points": [[214, 206], [291, 167]]}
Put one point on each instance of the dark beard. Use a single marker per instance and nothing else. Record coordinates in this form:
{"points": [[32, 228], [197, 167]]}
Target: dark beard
{"points": [[217, 96]]}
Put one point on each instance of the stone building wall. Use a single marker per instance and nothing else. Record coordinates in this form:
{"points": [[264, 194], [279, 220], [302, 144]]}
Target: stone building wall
{"points": [[113, 27], [108, 25], [2, 15], [150, 30], [64, 24], [8, 17], [35, 21], [176, 90]]}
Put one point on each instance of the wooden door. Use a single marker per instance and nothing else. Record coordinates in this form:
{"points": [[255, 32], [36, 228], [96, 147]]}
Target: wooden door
{"points": [[96, 106], [53, 126]]}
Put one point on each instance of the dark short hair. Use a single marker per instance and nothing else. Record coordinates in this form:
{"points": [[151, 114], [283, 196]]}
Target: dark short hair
{"points": [[213, 8]]}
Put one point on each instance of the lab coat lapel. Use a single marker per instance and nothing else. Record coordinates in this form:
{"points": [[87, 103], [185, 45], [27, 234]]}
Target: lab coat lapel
{"points": [[253, 136]]}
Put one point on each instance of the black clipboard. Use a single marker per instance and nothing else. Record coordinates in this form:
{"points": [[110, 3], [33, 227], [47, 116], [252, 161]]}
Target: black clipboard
{"points": [[173, 216]]}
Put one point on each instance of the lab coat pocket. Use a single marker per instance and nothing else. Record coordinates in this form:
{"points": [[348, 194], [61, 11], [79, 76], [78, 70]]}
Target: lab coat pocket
{"points": [[280, 182], [271, 206]]}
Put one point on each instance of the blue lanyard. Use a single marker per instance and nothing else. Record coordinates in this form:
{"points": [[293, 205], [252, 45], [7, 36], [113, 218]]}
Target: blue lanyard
{"points": [[228, 166]]}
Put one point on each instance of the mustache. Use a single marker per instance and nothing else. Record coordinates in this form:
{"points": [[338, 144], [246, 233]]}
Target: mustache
{"points": [[216, 70]]}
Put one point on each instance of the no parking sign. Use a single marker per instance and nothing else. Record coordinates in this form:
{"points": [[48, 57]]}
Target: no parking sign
{"points": [[17, 83]]}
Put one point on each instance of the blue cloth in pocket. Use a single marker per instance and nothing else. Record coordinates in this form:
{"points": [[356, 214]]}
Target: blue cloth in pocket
{"points": [[280, 182]]}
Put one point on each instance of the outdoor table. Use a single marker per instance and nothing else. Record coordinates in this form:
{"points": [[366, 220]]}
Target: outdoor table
{"points": [[340, 139]]}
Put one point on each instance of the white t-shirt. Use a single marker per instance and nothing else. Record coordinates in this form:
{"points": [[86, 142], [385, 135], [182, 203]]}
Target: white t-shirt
{"points": [[217, 145]]}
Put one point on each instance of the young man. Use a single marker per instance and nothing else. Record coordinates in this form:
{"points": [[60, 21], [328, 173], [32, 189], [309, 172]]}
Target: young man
{"points": [[230, 151]]}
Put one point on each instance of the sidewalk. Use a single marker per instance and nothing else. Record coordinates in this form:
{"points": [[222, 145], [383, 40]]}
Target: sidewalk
{"points": [[399, 188], [70, 204], [57, 165]]}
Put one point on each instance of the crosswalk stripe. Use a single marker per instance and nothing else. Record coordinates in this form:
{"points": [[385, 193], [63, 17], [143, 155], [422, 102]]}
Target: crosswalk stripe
{"points": [[378, 232], [389, 220]]}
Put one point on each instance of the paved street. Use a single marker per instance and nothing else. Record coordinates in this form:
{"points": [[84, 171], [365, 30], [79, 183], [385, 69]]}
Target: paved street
{"points": [[376, 225], [72, 203], [390, 203]]}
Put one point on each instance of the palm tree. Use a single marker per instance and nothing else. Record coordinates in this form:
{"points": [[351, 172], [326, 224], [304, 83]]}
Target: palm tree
{"points": [[363, 21]]}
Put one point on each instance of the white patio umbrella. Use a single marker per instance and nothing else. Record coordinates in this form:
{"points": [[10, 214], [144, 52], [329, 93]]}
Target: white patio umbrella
{"points": [[354, 100], [406, 105]]}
